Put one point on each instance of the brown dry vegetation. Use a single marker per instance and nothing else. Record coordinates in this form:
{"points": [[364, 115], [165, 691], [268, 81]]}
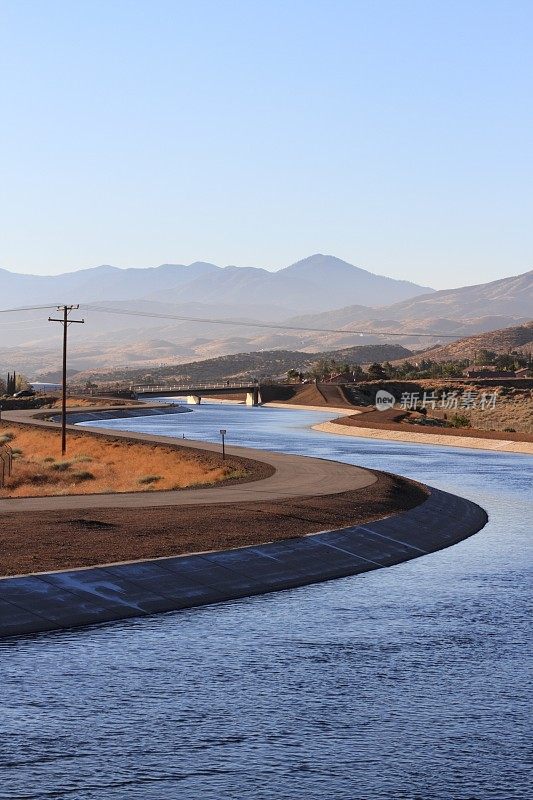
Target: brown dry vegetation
{"points": [[90, 402], [96, 465]]}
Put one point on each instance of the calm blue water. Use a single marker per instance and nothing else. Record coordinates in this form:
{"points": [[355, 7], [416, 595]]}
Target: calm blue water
{"points": [[406, 683]]}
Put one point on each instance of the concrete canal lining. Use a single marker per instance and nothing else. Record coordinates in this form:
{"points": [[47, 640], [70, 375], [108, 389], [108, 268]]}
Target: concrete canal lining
{"points": [[72, 598]]}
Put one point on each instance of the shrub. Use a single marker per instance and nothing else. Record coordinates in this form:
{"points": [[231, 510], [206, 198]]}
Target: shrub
{"points": [[146, 480], [83, 475], [39, 479], [61, 466], [7, 437], [460, 421], [48, 460], [510, 430], [82, 459]]}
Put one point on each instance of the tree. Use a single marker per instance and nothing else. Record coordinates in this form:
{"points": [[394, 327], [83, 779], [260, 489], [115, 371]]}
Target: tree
{"points": [[323, 369], [504, 361], [484, 357], [376, 371], [10, 383], [21, 382], [390, 371], [293, 375]]}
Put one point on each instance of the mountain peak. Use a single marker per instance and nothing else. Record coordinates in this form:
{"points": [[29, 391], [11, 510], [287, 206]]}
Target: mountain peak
{"points": [[321, 261]]}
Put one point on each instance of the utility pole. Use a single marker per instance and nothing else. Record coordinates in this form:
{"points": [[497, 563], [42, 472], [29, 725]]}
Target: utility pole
{"points": [[65, 321]]}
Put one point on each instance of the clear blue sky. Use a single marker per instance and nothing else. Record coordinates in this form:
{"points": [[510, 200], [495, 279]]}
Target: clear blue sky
{"points": [[396, 135]]}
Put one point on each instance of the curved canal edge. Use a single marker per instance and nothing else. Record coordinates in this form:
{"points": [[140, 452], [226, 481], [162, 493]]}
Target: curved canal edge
{"points": [[87, 596]]}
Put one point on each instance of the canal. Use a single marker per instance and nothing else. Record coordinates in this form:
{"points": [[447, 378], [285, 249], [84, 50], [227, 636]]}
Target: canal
{"points": [[405, 683]]}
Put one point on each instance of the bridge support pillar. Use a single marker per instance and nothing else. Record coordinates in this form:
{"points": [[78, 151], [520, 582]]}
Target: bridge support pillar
{"points": [[253, 398], [193, 400]]}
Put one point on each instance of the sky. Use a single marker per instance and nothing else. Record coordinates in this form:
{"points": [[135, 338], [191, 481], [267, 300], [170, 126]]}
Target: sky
{"points": [[395, 135]]}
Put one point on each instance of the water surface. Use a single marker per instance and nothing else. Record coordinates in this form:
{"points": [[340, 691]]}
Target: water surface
{"points": [[408, 682]]}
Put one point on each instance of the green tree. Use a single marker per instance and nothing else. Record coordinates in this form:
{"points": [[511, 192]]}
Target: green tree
{"points": [[376, 371], [323, 369], [484, 357]]}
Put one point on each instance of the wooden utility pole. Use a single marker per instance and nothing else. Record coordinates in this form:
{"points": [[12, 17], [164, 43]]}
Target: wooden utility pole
{"points": [[65, 321]]}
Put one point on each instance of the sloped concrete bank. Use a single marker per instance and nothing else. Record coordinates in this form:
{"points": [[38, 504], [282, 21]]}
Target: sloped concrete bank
{"points": [[72, 598], [74, 417]]}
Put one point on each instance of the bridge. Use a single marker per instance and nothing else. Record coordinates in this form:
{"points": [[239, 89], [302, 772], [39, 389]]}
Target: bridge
{"points": [[195, 392]]}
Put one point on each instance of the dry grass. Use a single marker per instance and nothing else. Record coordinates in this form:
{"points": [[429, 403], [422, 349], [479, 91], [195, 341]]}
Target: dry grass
{"points": [[96, 465], [90, 402]]}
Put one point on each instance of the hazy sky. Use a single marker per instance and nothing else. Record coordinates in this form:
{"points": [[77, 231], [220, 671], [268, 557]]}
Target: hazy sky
{"points": [[396, 135]]}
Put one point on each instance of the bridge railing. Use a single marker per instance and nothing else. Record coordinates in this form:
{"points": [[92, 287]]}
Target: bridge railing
{"points": [[191, 388]]}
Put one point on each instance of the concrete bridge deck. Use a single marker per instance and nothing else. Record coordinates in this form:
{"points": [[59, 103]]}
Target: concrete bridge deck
{"points": [[194, 392]]}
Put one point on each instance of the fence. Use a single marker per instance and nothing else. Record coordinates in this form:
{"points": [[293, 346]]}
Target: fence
{"points": [[6, 463]]}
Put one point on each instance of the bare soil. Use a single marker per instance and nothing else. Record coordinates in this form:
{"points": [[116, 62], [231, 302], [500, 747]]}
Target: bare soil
{"points": [[393, 420], [37, 542]]}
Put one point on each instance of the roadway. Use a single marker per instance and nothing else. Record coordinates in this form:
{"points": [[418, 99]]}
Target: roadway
{"points": [[294, 476]]}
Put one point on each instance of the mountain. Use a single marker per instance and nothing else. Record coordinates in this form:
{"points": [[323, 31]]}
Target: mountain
{"points": [[457, 312], [340, 281], [509, 296], [314, 284], [98, 284], [163, 330]]}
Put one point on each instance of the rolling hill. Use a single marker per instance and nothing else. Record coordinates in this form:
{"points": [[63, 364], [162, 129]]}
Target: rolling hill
{"points": [[267, 364], [519, 338]]}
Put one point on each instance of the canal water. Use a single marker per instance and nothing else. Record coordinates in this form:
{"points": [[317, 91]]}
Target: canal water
{"points": [[408, 683]]}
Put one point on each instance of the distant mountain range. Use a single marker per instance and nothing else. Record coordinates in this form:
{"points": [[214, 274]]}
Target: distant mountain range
{"points": [[320, 292], [316, 283]]}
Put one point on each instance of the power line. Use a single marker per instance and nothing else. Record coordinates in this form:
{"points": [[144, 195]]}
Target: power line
{"points": [[239, 323], [25, 308], [271, 326]]}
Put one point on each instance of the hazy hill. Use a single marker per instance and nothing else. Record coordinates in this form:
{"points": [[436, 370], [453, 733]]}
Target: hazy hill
{"points": [[461, 312], [512, 296], [270, 364]]}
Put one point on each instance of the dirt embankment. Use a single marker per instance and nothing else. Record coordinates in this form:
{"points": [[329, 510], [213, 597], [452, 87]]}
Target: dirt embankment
{"points": [[393, 420], [36, 542], [307, 394], [511, 414]]}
